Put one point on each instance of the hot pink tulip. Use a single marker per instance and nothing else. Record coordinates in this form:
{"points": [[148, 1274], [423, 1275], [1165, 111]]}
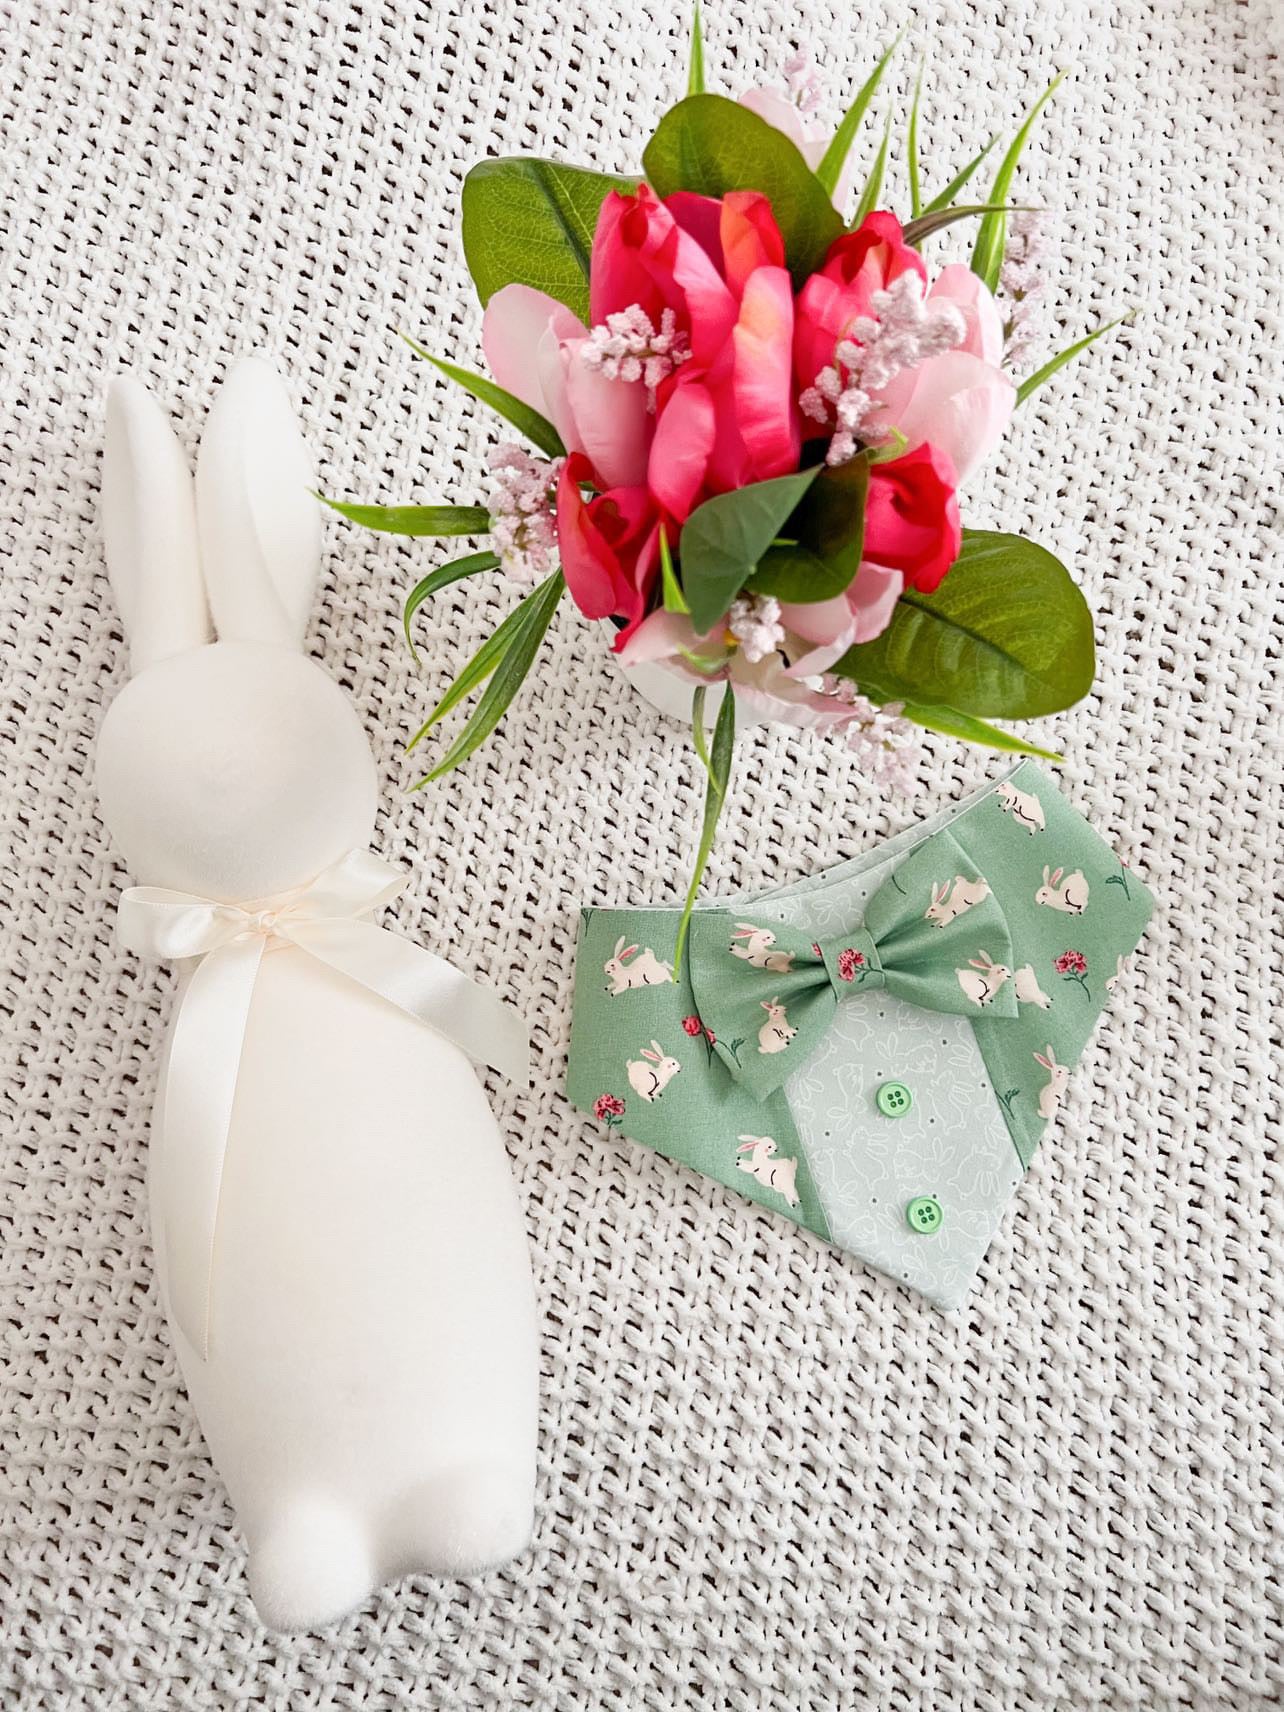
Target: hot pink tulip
{"points": [[912, 517], [858, 264]]}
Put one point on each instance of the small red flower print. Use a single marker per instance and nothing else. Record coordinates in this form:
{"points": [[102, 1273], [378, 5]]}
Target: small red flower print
{"points": [[816, 948], [851, 964], [691, 1025], [608, 1109], [1072, 966], [711, 1037]]}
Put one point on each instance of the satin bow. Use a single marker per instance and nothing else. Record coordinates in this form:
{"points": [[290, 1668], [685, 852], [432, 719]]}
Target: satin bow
{"points": [[322, 920], [933, 934]]}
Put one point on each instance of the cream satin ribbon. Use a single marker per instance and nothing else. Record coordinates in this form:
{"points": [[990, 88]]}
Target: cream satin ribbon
{"points": [[321, 919]]}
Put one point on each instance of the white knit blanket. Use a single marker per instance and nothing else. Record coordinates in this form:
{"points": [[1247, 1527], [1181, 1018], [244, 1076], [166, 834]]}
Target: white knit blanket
{"points": [[769, 1479]]}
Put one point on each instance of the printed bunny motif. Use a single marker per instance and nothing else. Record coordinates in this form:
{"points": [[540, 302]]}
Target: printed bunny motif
{"points": [[651, 1074], [1025, 808], [368, 1384], [757, 949], [757, 1155], [981, 987], [1053, 1091], [1069, 895], [776, 1033], [952, 897], [644, 971], [1028, 990]]}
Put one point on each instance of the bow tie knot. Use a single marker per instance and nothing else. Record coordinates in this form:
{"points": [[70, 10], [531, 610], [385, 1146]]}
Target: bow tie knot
{"points": [[772, 989]]}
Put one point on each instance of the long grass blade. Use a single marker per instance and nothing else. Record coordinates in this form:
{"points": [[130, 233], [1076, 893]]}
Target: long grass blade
{"points": [[718, 772], [835, 156], [478, 669], [987, 257], [537, 429], [442, 578], [916, 230], [537, 613], [695, 72], [874, 183], [414, 519], [960, 181], [1033, 382], [911, 149]]}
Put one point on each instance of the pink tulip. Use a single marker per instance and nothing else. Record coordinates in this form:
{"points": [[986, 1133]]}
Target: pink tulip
{"points": [[960, 402], [780, 109], [955, 402], [610, 546], [912, 517], [858, 264], [534, 347]]}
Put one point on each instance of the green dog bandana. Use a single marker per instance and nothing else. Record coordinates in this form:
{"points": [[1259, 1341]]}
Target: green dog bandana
{"points": [[875, 1052]]}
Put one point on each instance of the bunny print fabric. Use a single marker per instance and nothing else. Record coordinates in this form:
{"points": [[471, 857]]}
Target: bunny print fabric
{"points": [[876, 1052]]}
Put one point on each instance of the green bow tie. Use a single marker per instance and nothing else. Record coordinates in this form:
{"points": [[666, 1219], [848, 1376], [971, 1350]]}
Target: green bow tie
{"points": [[933, 934]]}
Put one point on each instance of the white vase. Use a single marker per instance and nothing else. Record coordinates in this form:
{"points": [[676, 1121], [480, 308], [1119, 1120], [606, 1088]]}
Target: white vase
{"points": [[668, 692]]}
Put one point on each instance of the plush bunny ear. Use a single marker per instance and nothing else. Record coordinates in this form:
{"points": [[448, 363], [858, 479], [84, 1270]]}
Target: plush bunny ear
{"points": [[149, 529], [260, 527]]}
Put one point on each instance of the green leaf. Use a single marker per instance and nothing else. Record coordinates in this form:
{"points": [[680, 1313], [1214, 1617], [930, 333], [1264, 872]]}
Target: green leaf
{"points": [[695, 75], [926, 224], [960, 181], [1007, 635], [712, 145], [415, 519], [723, 540], [952, 723], [798, 575], [1033, 382], [441, 578], [535, 615], [911, 150], [830, 528], [987, 257], [717, 765], [874, 183], [835, 156], [674, 600], [537, 429], [531, 222]]}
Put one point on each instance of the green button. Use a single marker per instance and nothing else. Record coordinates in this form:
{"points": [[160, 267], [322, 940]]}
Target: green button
{"points": [[894, 1099], [924, 1215]]}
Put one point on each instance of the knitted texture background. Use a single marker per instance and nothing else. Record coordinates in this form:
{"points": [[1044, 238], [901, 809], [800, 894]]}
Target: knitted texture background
{"points": [[769, 1478]]}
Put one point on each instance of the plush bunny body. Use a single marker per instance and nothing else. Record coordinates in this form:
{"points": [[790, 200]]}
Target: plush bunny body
{"points": [[368, 1387]]}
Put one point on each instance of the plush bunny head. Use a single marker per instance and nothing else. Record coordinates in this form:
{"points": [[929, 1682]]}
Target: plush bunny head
{"points": [[236, 769]]}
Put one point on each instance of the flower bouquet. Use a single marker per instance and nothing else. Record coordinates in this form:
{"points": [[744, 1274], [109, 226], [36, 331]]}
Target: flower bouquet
{"points": [[748, 414]]}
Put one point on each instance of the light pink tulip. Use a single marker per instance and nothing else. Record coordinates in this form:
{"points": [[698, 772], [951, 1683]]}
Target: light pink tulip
{"points": [[534, 349]]}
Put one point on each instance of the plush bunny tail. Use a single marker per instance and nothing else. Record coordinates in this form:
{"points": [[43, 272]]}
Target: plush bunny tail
{"points": [[149, 529]]}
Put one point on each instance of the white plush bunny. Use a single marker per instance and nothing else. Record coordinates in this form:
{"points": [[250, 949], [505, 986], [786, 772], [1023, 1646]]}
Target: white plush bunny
{"points": [[364, 1363]]}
